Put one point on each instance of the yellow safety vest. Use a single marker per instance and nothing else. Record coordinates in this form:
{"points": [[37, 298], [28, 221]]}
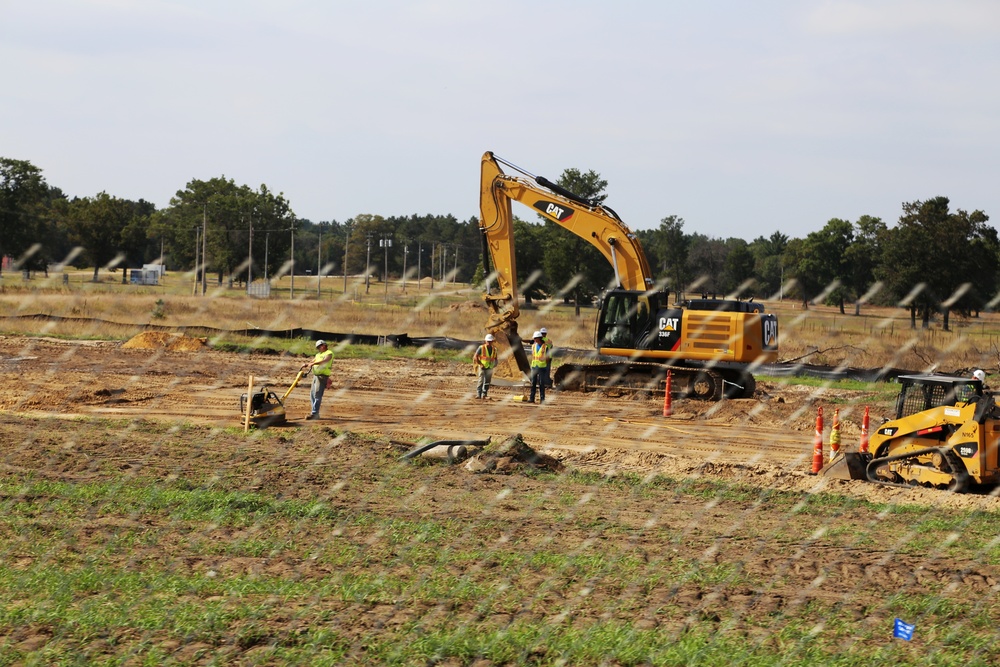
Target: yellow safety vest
{"points": [[487, 355], [538, 355], [323, 363]]}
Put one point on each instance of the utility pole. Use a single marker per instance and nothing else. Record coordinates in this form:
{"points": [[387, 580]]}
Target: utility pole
{"points": [[204, 249], [347, 239], [406, 251], [267, 237], [250, 256], [197, 242], [368, 263], [319, 260], [420, 256], [386, 242], [291, 289]]}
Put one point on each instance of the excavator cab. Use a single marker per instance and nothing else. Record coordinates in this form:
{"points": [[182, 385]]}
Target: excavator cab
{"points": [[624, 319], [642, 325]]}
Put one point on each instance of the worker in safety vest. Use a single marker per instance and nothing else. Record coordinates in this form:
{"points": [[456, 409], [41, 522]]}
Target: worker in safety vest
{"points": [[548, 357], [485, 360], [321, 366], [539, 362]]}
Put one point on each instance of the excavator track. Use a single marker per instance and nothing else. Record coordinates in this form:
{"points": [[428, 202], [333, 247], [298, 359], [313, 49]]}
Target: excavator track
{"points": [[934, 467], [707, 384]]}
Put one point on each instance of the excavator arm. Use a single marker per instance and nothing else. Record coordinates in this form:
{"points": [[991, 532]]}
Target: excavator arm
{"points": [[496, 223], [589, 220]]}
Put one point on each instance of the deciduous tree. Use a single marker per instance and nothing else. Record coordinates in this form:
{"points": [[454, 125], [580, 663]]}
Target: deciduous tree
{"points": [[22, 193]]}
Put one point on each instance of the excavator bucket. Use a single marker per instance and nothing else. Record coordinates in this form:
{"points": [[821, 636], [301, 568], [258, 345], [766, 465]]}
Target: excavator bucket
{"points": [[512, 359], [851, 465]]}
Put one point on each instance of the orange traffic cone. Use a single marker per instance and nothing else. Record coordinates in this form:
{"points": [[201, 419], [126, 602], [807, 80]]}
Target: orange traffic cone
{"points": [[864, 432], [835, 435], [818, 443], [667, 407]]}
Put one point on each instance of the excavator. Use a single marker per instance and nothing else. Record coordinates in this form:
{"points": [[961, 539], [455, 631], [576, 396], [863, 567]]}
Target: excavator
{"points": [[945, 435], [708, 345]]}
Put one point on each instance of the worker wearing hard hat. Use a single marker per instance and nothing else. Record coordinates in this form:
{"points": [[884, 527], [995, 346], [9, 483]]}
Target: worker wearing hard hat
{"points": [[980, 374], [321, 366], [548, 357], [485, 360], [539, 362]]}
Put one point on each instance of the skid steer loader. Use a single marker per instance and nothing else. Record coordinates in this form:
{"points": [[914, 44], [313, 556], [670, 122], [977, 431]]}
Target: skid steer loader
{"points": [[945, 435]]}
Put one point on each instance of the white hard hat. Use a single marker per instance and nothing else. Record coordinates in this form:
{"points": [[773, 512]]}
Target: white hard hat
{"points": [[543, 331], [979, 375], [320, 343], [537, 334], [489, 338]]}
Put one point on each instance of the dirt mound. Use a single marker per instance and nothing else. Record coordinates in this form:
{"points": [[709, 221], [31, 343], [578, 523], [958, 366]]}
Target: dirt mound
{"points": [[509, 456], [157, 340]]}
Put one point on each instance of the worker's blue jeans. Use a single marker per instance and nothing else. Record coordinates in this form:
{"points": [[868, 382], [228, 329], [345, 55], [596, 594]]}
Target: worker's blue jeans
{"points": [[537, 382], [316, 392]]}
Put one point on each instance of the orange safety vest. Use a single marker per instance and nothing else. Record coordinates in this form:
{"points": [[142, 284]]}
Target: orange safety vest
{"points": [[487, 355]]}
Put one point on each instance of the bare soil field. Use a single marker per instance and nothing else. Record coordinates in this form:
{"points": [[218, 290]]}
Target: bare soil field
{"points": [[174, 378], [72, 411]]}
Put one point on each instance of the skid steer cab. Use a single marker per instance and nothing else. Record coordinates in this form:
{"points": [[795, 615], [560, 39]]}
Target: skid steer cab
{"points": [[945, 435]]}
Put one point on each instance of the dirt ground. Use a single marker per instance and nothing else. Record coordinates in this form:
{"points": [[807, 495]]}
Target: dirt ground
{"points": [[765, 442]]}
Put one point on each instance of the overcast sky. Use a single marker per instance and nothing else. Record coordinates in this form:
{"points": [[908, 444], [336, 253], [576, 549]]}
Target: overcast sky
{"points": [[743, 118]]}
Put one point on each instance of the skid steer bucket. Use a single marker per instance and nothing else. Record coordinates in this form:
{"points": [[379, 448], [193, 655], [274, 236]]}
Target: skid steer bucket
{"points": [[851, 465]]}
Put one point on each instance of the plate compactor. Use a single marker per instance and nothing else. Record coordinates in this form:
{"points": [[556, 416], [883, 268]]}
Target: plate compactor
{"points": [[266, 408]]}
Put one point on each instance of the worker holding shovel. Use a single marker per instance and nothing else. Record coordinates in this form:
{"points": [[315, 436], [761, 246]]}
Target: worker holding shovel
{"points": [[321, 366]]}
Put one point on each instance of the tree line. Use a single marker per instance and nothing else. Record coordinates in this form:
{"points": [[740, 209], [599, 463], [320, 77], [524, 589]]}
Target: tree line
{"points": [[932, 260]]}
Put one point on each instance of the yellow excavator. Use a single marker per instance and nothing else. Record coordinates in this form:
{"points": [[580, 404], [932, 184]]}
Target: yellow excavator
{"points": [[945, 435], [710, 346]]}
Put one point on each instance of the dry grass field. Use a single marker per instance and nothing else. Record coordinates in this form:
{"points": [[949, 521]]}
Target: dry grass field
{"points": [[817, 335]]}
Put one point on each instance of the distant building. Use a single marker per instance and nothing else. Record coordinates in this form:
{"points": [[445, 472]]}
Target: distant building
{"points": [[147, 275]]}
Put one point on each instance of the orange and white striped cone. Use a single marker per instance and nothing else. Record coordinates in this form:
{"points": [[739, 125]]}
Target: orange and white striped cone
{"points": [[835, 436], [818, 443], [864, 432], [667, 406]]}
